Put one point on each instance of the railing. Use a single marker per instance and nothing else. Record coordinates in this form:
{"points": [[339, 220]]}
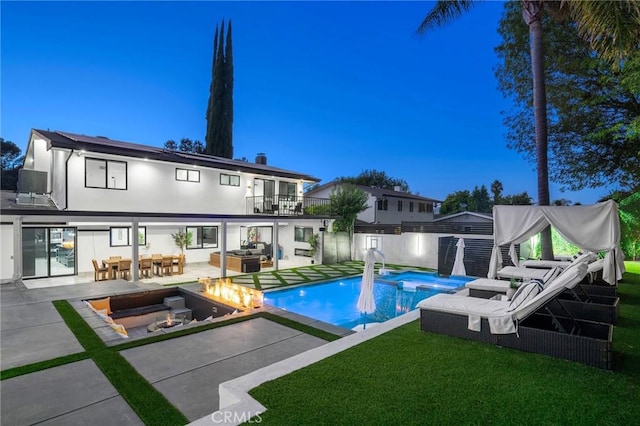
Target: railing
{"points": [[288, 205]]}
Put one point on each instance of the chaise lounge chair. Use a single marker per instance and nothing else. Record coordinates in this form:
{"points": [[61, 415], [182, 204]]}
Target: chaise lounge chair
{"points": [[584, 301], [529, 273], [487, 287], [526, 322]]}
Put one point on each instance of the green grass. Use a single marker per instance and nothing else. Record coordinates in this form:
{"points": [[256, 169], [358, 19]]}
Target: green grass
{"points": [[407, 376], [42, 365]]}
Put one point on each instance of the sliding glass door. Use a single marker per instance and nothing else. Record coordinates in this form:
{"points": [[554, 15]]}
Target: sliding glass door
{"points": [[48, 252]]}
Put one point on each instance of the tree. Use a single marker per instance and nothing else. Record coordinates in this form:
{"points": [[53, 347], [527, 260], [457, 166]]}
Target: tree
{"points": [[496, 190], [186, 145], [456, 202], [376, 179], [11, 162], [480, 201], [629, 211], [561, 202], [198, 147], [347, 201], [612, 27], [171, 145], [219, 136], [594, 120], [522, 199]]}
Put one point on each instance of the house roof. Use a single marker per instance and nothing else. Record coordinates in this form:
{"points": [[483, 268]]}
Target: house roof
{"points": [[447, 217], [377, 192], [9, 201], [105, 145]]}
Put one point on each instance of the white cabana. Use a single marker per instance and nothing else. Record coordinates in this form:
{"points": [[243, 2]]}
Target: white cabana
{"points": [[595, 228]]}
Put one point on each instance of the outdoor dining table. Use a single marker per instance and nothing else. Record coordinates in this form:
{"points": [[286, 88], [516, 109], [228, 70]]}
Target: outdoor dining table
{"points": [[157, 263], [112, 264]]}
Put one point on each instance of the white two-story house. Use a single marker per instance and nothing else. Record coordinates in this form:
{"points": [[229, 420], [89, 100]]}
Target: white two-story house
{"points": [[88, 197], [386, 206]]}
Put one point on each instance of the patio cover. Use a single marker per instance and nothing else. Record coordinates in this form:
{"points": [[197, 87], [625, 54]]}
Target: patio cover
{"points": [[595, 228]]}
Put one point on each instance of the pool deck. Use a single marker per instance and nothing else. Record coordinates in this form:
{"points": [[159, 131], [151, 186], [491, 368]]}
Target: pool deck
{"points": [[78, 393]]}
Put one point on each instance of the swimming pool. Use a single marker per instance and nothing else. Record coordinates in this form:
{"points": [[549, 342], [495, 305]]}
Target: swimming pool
{"points": [[335, 301]]}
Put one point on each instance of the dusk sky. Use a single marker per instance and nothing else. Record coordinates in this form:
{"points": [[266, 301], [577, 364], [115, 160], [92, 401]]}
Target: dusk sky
{"points": [[324, 88]]}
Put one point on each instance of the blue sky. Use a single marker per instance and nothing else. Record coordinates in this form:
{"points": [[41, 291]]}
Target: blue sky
{"points": [[325, 88]]}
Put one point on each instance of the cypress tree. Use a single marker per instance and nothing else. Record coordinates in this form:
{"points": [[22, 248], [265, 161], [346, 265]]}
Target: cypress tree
{"points": [[212, 89], [220, 107]]}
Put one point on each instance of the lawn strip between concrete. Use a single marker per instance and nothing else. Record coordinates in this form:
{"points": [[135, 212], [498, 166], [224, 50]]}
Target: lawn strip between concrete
{"points": [[144, 399]]}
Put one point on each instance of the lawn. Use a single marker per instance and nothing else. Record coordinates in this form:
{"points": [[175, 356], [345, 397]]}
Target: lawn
{"points": [[408, 376]]}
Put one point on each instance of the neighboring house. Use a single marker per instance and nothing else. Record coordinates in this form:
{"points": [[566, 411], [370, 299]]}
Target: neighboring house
{"points": [[82, 197], [386, 206]]}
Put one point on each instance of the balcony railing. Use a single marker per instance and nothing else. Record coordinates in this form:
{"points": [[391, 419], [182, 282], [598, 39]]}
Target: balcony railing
{"points": [[288, 205]]}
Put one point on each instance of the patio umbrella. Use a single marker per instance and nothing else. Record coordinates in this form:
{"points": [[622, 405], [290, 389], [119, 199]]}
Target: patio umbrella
{"points": [[458, 265], [366, 303]]}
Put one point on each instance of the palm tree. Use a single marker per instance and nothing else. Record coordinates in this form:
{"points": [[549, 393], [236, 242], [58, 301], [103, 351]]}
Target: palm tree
{"points": [[612, 27], [496, 190]]}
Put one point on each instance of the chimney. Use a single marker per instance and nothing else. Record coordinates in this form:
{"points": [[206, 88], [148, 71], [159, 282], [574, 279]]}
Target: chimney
{"points": [[261, 158], [397, 188]]}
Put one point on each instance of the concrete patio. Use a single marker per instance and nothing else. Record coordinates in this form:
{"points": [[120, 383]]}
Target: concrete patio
{"points": [[187, 370]]}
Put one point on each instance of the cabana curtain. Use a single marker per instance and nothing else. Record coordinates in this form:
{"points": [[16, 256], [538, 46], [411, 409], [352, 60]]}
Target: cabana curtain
{"points": [[594, 228]]}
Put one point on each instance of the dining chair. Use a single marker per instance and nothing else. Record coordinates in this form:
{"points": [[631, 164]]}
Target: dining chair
{"points": [[99, 273], [166, 267], [124, 268], [157, 263], [178, 262], [146, 267]]}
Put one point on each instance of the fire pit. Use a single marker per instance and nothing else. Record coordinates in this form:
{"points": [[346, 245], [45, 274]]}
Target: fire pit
{"points": [[165, 323]]}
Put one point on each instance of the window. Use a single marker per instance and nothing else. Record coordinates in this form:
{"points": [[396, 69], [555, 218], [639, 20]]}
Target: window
{"points": [[383, 204], [120, 236], [399, 205], [422, 207], [288, 190], [302, 234], [106, 174], [188, 175], [410, 206], [203, 237], [230, 180], [425, 207]]}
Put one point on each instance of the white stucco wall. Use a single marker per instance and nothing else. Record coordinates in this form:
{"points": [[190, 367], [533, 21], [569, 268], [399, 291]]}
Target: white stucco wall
{"points": [[6, 252], [410, 248], [152, 187], [57, 178], [41, 157], [93, 242]]}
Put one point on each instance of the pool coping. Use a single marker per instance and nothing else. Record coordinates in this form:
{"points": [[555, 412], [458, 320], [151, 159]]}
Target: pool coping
{"points": [[237, 406]]}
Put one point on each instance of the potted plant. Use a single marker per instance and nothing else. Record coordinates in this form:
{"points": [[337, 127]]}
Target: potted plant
{"points": [[313, 244], [182, 239]]}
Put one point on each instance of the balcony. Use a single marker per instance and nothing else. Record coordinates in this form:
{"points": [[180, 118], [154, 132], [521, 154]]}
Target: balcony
{"points": [[288, 205]]}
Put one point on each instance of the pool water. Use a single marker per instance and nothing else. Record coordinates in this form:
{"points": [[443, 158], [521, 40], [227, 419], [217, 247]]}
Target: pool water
{"points": [[335, 301]]}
